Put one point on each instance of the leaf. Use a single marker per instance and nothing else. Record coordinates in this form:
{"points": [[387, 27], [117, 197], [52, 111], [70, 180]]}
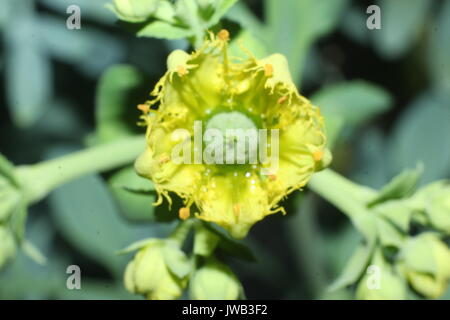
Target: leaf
{"points": [[118, 93], [294, 25], [394, 39], [176, 260], [397, 212], [420, 135], [355, 101], [244, 16], [250, 42], [94, 10], [220, 9], [27, 70], [128, 179], [132, 194], [399, 187], [164, 30], [354, 268], [86, 216], [439, 48], [89, 49]]}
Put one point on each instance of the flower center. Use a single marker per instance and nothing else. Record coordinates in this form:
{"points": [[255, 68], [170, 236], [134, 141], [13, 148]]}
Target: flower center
{"points": [[232, 138]]}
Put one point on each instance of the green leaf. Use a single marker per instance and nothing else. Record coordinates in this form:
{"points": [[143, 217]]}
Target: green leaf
{"points": [[420, 135], [244, 16], [133, 194], [27, 70], [89, 49], [394, 39], [128, 179], [85, 214], [93, 10], [399, 187], [354, 268], [294, 25], [397, 212], [118, 93], [164, 30], [250, 42], [439, 48], [356, 101], [176, 260], [220, 9]]}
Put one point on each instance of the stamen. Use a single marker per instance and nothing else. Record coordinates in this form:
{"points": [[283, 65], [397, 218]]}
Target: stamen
{"points": [[318, 155], [224, 35], [182, 71], [282, 99], [268, 70], [237, 209], [184, 213], [145, 108]]}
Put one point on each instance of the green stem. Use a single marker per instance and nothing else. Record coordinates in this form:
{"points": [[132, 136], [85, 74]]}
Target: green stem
{"points": [[40, 179], [181, 232], [346, 195]]}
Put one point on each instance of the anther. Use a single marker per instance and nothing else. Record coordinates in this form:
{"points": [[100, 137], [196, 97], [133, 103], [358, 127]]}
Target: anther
{"points": [[182, 71], [318, 155], [145, 108], [268, 70], [184, 213], [224, 35]]}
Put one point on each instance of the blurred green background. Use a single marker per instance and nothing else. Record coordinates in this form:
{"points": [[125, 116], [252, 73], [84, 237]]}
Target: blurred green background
{"points": [[385, 95]]}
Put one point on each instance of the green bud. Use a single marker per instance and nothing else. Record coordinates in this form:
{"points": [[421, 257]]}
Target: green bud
{"points": [[134, 10], [381, 282], [214, 281], [7, 245], [425, 260], [435, 199], [150, 275]]}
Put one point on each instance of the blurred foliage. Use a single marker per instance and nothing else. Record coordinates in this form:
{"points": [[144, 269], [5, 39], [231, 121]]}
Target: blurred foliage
{"points": [[385, 95]]}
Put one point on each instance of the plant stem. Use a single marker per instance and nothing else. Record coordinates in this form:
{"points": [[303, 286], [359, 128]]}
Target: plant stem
{"points": [[181, 231], [39, 179], [346, 195]]}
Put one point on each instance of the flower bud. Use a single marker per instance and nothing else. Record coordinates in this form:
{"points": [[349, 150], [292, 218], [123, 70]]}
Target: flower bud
{"points": [[134, 10], [149, 274], [381, 282], [214, 281], [437, 206], [425, 260], [7, 245]]}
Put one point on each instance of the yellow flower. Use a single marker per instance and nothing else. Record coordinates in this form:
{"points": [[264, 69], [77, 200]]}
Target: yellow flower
{"points": [[211, 92]]}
